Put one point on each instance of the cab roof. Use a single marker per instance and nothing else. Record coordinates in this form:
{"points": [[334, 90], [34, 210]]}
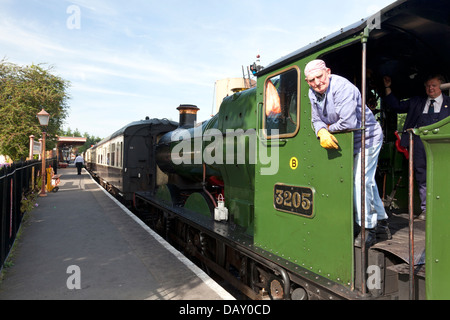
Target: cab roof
{"points": [[425, 21]]}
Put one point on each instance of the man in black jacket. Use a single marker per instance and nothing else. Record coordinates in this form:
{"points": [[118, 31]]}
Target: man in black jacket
{"points": [[422, 111]]}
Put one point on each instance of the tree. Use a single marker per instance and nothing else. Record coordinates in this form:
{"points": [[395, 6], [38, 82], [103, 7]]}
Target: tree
{"points": [[90, 141], [24, 91]]}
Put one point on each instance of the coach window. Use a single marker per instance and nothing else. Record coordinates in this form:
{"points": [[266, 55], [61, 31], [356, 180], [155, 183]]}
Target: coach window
{"points": [[113, 154], [121, 154], [281, 113]]}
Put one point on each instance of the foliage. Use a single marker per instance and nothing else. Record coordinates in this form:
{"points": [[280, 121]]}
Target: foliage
{"points": [[91, 140], [29, 200], [24, 91]]}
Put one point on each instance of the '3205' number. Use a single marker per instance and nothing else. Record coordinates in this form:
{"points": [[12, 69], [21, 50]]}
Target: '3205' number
{"points": [[293, 199]]}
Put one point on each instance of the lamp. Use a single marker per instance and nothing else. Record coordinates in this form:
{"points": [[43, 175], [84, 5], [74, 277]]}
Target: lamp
{"points": [[43, 118]]}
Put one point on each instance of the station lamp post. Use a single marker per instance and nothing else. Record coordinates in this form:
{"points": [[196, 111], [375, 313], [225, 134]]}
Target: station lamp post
{"points": [[43, 117]]}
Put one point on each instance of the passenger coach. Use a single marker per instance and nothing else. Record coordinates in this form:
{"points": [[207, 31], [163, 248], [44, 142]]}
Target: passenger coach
{"points": [[124, 162]]}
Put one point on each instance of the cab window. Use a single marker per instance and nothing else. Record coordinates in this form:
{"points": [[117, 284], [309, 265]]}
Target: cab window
{"points": [[281, 101]]}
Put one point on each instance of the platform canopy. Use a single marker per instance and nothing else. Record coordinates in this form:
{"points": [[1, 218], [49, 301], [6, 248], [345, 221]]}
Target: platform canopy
{"points": [[64, 142], [66, 146]]}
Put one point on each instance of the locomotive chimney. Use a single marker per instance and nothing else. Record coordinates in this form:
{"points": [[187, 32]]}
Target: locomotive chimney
{"points": [[188, 115]]}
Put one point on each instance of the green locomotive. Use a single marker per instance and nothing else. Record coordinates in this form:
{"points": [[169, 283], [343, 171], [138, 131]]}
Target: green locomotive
{"points": [[253, 197]]}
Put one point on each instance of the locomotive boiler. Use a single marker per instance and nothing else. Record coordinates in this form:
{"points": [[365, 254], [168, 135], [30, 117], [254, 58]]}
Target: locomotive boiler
{"points": [[211, 155]]}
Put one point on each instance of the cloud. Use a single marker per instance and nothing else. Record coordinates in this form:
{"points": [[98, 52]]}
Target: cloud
{"points": [[25, 37], [80, 88], [100, 7]]}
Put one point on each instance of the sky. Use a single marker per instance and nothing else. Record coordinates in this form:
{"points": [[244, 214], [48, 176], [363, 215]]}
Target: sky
{"points": [[126, 60]]}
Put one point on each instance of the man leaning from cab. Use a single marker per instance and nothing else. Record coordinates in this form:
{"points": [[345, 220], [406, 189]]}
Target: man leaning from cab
{"points": [[335, 106]]}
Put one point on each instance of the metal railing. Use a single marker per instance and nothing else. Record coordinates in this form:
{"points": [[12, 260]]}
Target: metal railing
{"points": [[18, 182]]}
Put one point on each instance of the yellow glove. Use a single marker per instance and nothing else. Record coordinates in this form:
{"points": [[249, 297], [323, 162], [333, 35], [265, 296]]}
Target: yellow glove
{"points": [[327, 140]]}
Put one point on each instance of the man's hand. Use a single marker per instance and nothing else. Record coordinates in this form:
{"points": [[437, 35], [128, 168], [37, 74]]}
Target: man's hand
{"points": [[327, 140]]}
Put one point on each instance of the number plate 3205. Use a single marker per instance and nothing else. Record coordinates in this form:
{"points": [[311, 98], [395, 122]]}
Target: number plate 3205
{"points": [[292, 199]]}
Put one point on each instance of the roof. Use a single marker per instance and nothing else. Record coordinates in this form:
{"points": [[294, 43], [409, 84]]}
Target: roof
{"points": [[417, 18], [70, 141], [141, 123]]}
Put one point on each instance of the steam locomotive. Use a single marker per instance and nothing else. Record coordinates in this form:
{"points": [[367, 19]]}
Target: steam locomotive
{"points": [[256, 200]]}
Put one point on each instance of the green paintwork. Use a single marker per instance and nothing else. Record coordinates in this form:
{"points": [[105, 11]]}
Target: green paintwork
{"points": [[436, 139], [163, 193], [197, 202], [238, 114]]}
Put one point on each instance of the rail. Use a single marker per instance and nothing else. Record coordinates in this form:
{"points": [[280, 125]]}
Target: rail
{"points": [[18, 183]]}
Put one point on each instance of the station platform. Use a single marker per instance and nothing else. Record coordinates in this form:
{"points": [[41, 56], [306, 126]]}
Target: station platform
{"points": [[82, 244]]}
